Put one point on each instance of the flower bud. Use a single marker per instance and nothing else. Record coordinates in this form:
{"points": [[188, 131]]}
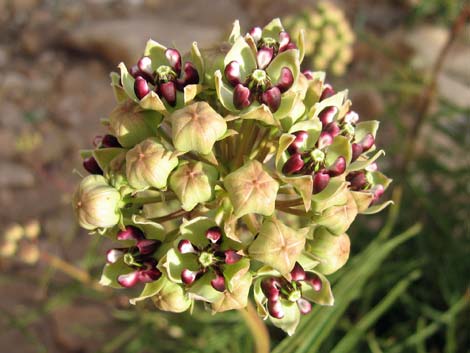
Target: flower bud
{"points": [[174, 58], [351, 117], [297, 273], [168, 91], [275, 309], [214, 234], [109, 141], [293, 164], [96, 203], [186, 247], [324, 140], [113, 255], [231, 257], [188, 276], [218, 283], [284, 40], [149, 272], [333, 250], [128, 280], [264, 57], [356, 151], [272, 98], [232, 73], [91, 166], [145, 65], [327, 115], [241, 96], [338, 167], [308, 74], [141, 87], [304, 306], [327, 91], [271, 288], [147, 246], [358, 180], [130, 233], [314, 281], [191, 76], [300, 139], [286, 80], [171, 297], [378, 191], [367, 142], [332, 129], [256, 33], [320, 182]]}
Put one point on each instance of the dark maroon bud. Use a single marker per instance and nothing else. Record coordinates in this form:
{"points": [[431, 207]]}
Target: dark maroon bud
{"points": [[367, 142], [232, 73], [308, 74], [145, 65], [314, 281], [185, 247], [378, 191], [300, 139], [328, 115], [356, 151], [286, 80], [304, 306], [289, 46], [297, 273], [231, 257], [113, 255], [188, 276], [218, 283], [293, 164], [332, 129], [134, 71], [284, 40], [256, 33], [141, 87], [271, 288], [214, 234], [91, 166], [264, 57], [109, 141], [97, 140], [327, 91], [168, 91], [149, 272], [191, 76], [130, 233], [320, 182], [275, 309], [338, 167], [272, 98], [358, 180], [147, 246], [174, 58], [241, 96], [351, 117], [128, 280], [324, 140]]}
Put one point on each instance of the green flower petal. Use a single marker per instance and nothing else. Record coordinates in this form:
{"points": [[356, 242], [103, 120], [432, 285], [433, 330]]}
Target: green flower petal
{"points": [[288, 58], [291, 318], [236, 298], [322, 297], [112, 271], [242, 53]]}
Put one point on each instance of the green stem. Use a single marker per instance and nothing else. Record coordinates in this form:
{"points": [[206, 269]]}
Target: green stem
{"points": [[257, 327], [150, 199]]}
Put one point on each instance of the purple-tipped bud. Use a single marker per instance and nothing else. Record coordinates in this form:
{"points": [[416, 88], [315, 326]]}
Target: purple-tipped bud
{"points": [[145, 65], [378, 191], [327, 91], [241, 96], [358, 180], [332, 129], [214, 234], [275, 309], [356, 151], [320, 182], [284, 40], [231, 257], [109, 141], [149, 273], [256, 33], [128, 280], [271, 288], [186, 247], [286, 80], [367, 142], [304, 306], [188, 276], [314, 281], [297, 273], [300, 139], [97, 140], [174, 58], [91, 166], [113, 255], [338, 167], [168, 91], [328, 115], [191, 76], [130, 233], [232, 73], [293, 164], [141, 87], [351, 117], [308, 74], [134, 71], [218, 283], [147, 246], [289, 46], [324, 140], [272, 98], [264, 57]]}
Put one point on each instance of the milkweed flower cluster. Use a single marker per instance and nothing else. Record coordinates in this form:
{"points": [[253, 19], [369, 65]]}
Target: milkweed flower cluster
{"points": [[328, 36], [228, 174]]}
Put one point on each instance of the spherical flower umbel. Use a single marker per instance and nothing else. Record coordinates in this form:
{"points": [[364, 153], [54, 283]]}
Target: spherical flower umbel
{"points": [[222, 177]]}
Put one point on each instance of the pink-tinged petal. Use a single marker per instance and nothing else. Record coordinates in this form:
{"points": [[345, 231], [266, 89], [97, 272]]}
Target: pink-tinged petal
{"points": [[147, 246], [320, 182], [327, 115], [358, 180], [332, 129], [275, 309], [297, 273], [289, 46], [300, 139], [174, 58], [304, 306], [351, 117], [97, 140], [214, 234], [218, 283], [256, 33], [378, 191], [141, 87], [293, 164], [109, 141], [130, 233], [272, 98], [191, 76], [113, 255], [328, 91], [149, 275], [188, 276], [128, 280], [134, 71], [145, 65], [372, 167], [91, 166], [324, 140], [241, 97], [231, 257], [314, 281], [356, 151], [286, 80], [308, 74], [168, 91], [284, 40], [185, 247], [271, 288], [338, 167], [367, 142], [264, 57], [232, 73]]}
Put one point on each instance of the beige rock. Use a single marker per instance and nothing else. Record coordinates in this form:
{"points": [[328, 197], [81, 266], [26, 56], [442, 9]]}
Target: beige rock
{"points": [[15, 175]]}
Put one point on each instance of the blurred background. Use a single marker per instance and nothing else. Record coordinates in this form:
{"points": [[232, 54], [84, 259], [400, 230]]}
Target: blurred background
{"points": [[405, 63]]}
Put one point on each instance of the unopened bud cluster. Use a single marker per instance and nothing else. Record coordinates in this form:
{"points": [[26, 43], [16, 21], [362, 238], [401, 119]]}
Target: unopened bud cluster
{"points": [[227, 174]]}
